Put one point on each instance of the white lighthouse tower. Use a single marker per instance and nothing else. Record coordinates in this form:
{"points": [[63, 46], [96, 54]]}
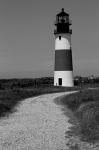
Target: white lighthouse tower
{"points": [[63, 69]]}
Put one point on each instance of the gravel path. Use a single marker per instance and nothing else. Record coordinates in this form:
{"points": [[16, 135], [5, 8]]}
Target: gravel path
{"points": [[38, 124]]}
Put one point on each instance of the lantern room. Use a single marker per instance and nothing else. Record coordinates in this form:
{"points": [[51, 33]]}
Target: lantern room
{"points": [[62, 23]]}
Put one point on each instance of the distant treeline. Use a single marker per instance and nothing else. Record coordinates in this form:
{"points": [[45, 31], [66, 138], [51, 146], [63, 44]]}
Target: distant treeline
{"points": [[44, 81], [25, 83], [78, 80]]}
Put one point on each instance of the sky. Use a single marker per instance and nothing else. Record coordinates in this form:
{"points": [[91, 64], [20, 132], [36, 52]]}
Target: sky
{"points": [[27, 40]]}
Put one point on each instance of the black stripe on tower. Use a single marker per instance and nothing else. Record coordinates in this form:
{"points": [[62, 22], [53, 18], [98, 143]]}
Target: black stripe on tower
{"points": [[63, 60]]}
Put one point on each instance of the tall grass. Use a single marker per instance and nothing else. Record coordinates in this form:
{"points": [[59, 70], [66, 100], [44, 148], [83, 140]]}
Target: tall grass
{"points": [[85, 106], [10, 98]]}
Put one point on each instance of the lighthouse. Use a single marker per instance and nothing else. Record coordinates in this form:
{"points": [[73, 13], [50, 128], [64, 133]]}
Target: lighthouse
{"points": [[63, 67]]}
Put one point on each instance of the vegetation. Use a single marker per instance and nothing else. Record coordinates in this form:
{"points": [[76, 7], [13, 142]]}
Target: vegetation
{"points": [[25, 83], [90, 81], [85, 106], [13, 91]]}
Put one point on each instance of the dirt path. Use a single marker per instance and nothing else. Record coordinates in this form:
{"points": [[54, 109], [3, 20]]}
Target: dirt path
{"points": [[38, 124]]}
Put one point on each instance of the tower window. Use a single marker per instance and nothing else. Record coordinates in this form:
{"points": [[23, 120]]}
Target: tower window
{"points": [[59, 37]]}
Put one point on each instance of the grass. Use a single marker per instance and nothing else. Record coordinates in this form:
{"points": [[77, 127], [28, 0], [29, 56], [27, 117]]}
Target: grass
{"points": [[84, 104], [85, 107], [10, 98]]}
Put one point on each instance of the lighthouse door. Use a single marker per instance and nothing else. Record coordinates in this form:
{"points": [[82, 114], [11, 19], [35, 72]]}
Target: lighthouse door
{"points": [[60, 81]]}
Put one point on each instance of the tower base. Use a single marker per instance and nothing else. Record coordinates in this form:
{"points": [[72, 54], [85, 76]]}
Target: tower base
{"points": [[63, 78]]}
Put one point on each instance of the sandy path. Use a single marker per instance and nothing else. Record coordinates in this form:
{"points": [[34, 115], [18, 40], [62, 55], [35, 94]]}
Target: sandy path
{"points": [[39, 124]]}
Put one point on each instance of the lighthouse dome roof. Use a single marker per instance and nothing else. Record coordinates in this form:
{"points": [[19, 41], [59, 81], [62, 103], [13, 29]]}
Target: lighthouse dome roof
{"points": [[62, 13]]}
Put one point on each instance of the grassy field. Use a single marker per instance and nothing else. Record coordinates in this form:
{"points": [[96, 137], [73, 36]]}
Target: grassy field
{"points": [[12, 91], [85, 107], [84, 104], [10, 98]]}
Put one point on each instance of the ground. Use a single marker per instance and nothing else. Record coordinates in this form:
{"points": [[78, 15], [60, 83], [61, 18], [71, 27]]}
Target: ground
{"points": [[38, 124]]}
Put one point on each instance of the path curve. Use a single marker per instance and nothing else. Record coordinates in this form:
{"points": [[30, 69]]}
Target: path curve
{"points": [[38, 124]]}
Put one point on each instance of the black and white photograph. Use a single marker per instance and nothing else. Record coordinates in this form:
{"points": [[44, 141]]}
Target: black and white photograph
{"points": [[49, 75]]}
